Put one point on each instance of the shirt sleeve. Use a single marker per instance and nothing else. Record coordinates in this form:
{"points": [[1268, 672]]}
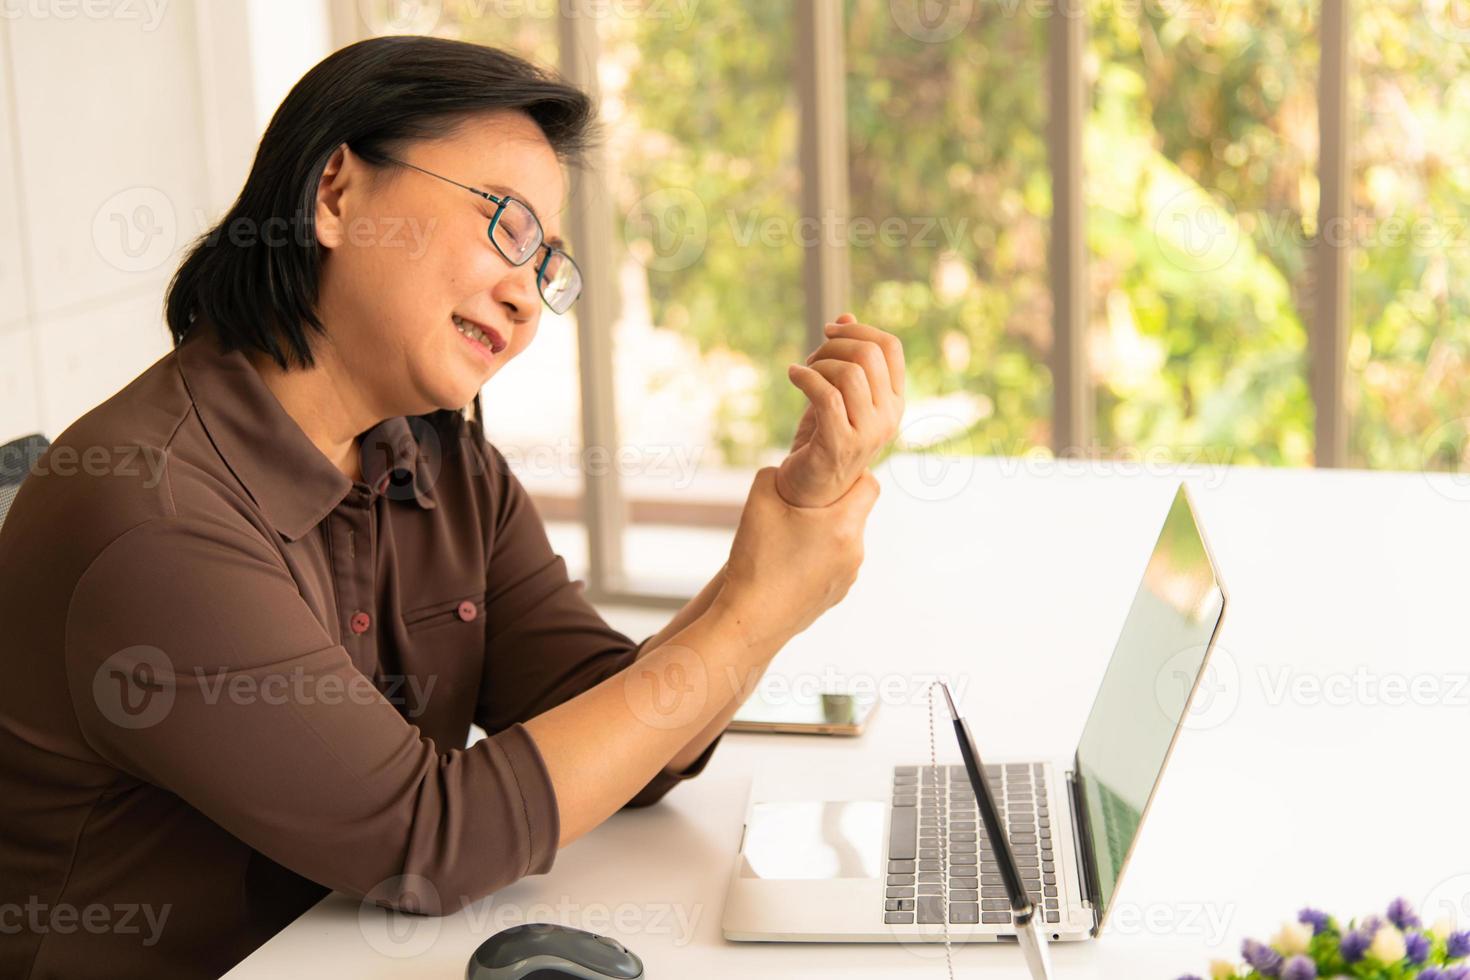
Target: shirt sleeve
{"points": [[194, 664], [545, 642]]}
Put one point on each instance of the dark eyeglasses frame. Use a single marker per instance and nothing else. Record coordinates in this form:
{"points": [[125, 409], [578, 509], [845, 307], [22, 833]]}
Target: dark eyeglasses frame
{"points": [[500, 205]]}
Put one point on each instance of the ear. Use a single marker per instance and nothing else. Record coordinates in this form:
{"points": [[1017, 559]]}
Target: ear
{"points": [[331, 223]]}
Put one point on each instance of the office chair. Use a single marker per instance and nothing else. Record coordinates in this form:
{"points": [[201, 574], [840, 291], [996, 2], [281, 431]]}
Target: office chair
{"points": [[16, 460]]}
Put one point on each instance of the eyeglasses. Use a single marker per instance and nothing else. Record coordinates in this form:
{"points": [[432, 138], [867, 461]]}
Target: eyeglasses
{"points": [[517, 235]]}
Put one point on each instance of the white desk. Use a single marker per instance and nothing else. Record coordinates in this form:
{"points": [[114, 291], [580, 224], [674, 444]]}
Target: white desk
{"points": [[1016, 584]]}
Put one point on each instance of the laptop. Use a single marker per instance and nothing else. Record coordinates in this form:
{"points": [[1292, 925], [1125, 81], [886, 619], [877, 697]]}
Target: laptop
{"points": [[834, 856]]}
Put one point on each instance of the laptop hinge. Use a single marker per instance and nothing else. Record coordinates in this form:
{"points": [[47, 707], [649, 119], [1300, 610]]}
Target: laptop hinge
{"points": [[1086, 861]]}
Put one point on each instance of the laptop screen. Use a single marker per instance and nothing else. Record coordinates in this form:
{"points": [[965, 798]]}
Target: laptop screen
{"points": [[1145, 692]]}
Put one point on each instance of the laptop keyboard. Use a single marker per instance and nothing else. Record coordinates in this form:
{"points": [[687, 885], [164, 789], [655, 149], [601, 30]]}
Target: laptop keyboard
{"points": [[976, 893]]}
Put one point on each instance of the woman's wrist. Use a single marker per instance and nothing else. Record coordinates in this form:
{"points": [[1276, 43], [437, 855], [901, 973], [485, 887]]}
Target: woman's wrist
{"points": [[733, 613]]}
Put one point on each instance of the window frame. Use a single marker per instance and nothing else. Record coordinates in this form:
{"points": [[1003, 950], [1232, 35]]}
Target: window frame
{"points": [[822, 100]]}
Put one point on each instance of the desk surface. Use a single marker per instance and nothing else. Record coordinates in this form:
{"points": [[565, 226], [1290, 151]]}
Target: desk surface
{"points": [[1323, 764]]}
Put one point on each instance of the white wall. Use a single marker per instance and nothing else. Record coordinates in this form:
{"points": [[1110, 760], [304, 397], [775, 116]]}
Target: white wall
{"points": [[122, 137]]}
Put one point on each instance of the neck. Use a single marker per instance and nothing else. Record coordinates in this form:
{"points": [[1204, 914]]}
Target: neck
{"points": [[324, 402]]}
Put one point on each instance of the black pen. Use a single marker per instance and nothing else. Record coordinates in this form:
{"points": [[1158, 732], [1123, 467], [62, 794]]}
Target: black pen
{"points": [[1028, 931]]}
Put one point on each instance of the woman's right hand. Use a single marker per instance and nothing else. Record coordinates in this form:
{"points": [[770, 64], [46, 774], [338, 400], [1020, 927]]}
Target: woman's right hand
{"points": [[788, 565]]}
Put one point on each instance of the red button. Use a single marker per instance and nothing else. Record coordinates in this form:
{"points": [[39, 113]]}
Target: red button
{"points": [[360, 622], [467, 611]]}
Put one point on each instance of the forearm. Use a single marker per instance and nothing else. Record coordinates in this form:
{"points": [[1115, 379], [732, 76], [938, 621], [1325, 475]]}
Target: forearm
{"points": [[748, 682], [691, 611], [604, 745]]}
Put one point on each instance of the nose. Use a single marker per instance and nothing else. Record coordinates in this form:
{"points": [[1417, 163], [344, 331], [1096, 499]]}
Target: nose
{"points": [[516, 291]]}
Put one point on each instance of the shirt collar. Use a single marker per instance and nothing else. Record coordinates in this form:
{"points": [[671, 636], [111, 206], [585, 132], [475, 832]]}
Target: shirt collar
{"points": [[292, 482], [400, 458]]}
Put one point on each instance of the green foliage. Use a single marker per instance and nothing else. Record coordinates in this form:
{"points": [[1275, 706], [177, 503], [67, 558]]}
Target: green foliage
{"points": [[715, 104], [1206, 122], [1316, 945], [949, 136], [1411, 266], [1202, 121]]}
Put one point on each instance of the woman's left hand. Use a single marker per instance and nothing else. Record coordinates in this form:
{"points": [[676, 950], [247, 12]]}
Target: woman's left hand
{"points": [[855, 383]]}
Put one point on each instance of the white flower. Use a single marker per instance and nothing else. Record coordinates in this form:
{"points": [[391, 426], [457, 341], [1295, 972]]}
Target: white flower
{"points": [[1388, 946], [1441, 930], [1293, 938], [1222, 970]]}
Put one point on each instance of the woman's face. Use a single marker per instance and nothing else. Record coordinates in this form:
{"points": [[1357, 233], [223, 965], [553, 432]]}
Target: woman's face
{"points": [[408, 255]]}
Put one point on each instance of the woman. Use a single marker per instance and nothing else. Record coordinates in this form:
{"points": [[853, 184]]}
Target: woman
{"points": [[247, 675]]}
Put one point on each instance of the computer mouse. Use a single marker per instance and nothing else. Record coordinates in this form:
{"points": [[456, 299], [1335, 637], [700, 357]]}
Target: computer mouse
{"points": [[547, 951]]}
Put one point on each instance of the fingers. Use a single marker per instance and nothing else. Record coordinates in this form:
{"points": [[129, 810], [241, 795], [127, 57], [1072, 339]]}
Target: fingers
{"points": [[852, 510], [890, 346], [863, 493], [765, 490], [852, 381], [827, 402], [765, 478], [864, 354]]}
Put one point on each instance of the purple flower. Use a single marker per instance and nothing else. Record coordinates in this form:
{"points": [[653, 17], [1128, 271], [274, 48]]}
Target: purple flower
{"points": [[1432, 973], [1401, 913], [1189, 976], [1416, 946], [1355, 944], [1370, 926], [1457, 973], [1262, 958], [1458, 945], [1311, 917], [1299, 968]]}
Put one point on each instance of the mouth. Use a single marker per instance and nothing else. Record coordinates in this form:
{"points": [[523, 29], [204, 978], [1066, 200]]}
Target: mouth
{"points": [[483, 338]]}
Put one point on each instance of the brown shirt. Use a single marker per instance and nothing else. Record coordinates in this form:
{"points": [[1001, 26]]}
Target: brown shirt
{"points": [[234, 679]]}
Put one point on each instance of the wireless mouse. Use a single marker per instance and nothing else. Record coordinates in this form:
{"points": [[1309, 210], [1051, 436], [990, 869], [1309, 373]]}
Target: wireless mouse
{"points": [[546, 951]]}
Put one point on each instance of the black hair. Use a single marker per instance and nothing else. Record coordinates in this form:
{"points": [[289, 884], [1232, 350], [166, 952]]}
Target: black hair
{"points": [[259, 286]]}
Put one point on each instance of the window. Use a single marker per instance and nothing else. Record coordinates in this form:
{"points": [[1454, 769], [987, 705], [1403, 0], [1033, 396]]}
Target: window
{"points": [[949, 228], [1112, 226], [707, 269], [1201, 193], [544, 445], [1409, 387]]}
